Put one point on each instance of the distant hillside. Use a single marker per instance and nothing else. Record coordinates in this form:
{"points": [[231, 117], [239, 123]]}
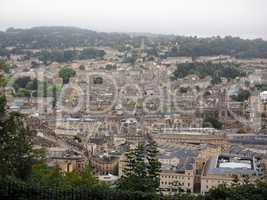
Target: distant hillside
{"points": [[161, 45], [55, 37]]}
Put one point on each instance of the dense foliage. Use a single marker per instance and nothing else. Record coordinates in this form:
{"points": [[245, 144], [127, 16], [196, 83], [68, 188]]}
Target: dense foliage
{"points": [[53, 177], [16, 153], [261, 87], [66, 73], [69, 37], [25, 86], [14, 189], [242, 96], [239, 191], [57, 37], [233, 46], [203, 69], [212, 122], [69, 55], [142, 168]]}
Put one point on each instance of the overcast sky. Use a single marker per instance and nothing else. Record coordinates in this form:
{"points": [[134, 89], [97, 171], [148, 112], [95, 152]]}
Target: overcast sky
{"points": [[245, 18]]}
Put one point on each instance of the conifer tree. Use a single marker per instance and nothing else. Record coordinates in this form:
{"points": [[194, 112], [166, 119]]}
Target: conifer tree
{"points": [[141, 170], [153, 165]]}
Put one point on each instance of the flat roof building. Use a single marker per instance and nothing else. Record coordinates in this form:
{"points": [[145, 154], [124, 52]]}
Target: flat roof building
{"points": [[222, 169]]}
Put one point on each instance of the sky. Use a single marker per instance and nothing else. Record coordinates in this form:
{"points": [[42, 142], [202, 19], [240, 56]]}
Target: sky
{"points": [[244, 18]]}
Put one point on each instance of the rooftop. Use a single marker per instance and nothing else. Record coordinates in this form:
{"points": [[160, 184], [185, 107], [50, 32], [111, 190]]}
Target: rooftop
{"points": [[231, 164]]}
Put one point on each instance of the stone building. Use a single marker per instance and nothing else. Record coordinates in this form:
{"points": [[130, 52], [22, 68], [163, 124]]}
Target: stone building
{"points": [[224, 169]]}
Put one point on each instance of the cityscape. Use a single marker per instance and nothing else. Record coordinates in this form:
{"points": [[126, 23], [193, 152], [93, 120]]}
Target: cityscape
{"points": [[87, 114]]}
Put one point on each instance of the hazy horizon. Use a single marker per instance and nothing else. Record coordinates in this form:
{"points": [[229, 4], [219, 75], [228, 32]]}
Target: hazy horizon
{"points": [[204, 18]]}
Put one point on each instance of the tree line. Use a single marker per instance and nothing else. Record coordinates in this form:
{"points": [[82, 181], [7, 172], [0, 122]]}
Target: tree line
{"points": [[203, 69], [69, 55], [69, 37]]}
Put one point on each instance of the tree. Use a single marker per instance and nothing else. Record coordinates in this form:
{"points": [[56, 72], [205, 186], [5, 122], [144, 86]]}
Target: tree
{"points": [[203, 69], [238, 191], [134, 171], [2, 85], [55, 92], [22, 82], [153, 167], [4, 66], [66, 73], [16, 154], [27, 87], [87, 178], [212, 122], [140, 167], [82, 67], [53, 176], [220, 192], [129, 163], [2, 105], [91, 53], [46, 176], [242, 96], [141, 172]]}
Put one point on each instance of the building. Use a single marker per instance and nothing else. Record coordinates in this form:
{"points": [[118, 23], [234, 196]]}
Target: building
{"points": [[177, 168], [222, 169], [190, 136], [66, 160], [263, 96], [173, 178], [104, 164]]}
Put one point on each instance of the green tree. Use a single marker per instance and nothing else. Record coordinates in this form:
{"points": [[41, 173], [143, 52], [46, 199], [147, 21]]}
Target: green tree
{"points": [[16, 155], [66, 73], [22, 82], [242, 96], [91, 53], [203, 69], [2, 105], [140, 166], [141, 171], [153, 166], [46, 176], [53, 176], [134, 171], [212, 122], [4, 66], [87, 178], [2, 94]]}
